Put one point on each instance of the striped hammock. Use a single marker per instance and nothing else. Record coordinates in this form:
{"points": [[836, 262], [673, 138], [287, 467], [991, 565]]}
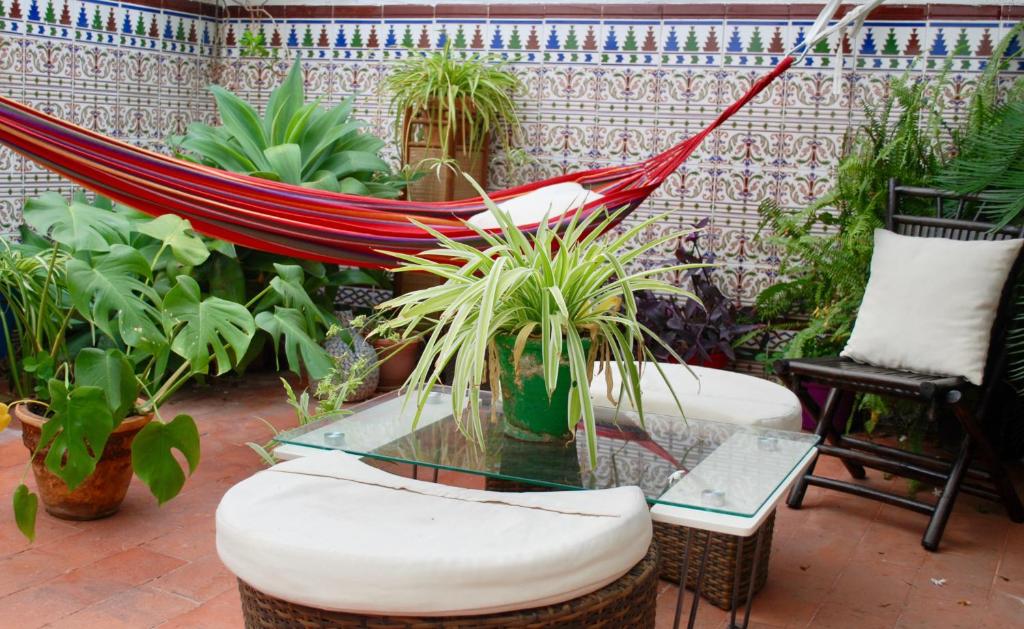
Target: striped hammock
{"points": [[293, 220], [316, 224]]}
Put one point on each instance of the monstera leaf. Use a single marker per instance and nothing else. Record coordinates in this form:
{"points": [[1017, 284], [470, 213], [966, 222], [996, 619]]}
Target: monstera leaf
{"points": [[77, 431], [288, 285], [287, 327], [175, 233], [213, 328], [153, 459], [111, 290], [76, 225], [26, 504], [112, 372]]}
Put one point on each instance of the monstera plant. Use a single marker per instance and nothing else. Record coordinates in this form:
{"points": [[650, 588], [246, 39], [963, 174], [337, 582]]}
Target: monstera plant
{"points": [[104, 324], [294, 141]]}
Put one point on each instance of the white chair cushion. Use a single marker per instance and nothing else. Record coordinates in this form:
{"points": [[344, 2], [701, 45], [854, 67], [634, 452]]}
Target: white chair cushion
{"points": [[530, 208], [331, 532], [709, 394], [930, 303]]}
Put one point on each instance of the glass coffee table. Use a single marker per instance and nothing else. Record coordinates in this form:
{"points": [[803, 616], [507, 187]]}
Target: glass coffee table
{"points": [[710, 485]]}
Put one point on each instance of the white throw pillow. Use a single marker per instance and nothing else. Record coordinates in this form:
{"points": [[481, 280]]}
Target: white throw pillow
{"points": [[930, 303], [530, 208]]}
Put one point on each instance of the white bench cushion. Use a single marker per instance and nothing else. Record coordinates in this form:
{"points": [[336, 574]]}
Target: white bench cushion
{"points": [[331, 532], [710, 394], [530, 208]]}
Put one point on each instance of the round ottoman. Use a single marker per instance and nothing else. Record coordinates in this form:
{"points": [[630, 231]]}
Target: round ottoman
{"points": [[328, 541], [710, 394]]}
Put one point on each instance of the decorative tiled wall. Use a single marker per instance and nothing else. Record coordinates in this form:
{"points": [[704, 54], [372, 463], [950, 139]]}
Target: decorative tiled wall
{"points": [[134, 71], [603, 84]]}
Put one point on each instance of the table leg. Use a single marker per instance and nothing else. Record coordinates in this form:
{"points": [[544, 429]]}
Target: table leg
{"points": [[700, 582], [753, 583], [681, 596], [736, 585]]}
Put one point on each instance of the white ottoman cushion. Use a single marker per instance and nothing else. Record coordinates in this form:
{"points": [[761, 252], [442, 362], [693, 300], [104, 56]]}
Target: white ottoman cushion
{"points": [[710, 394], [331, 532], [530, 208]]}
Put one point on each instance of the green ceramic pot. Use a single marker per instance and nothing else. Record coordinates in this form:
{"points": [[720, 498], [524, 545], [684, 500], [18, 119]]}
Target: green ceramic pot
{"points": [[530, 415]]}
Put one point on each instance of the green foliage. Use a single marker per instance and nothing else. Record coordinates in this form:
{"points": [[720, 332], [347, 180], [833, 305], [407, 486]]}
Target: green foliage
{"points": [[113, 373], [559, 287], [827, 247], [990, 147], [990, 162], [465, 99], [26, 505], [212, 328], [77, 430], [153, 460], [295, 142], [102, 318]]}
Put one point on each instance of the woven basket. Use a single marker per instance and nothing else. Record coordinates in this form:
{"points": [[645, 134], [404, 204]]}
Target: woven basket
{"points": [[626, 603], [720, 572]]}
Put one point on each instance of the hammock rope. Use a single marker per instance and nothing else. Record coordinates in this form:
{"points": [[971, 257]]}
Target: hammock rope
{"points": [[318, 224]]}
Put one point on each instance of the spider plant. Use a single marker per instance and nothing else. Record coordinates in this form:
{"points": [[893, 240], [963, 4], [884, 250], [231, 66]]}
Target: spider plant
{"points": [[564, 290], [464, 99]]}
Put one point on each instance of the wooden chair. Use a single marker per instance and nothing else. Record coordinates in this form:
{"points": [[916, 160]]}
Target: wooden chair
{"points": [[972, 406]]}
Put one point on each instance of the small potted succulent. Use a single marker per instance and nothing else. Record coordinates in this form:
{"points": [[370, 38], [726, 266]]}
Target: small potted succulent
{"points": [[705, 331], [105, 325], [535, 315]]}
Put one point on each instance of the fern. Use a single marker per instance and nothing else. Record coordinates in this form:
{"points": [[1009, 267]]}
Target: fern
{"points": [[990, 163], [827, 272]]}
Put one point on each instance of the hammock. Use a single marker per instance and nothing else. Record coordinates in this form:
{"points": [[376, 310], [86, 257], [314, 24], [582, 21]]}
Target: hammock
{"points": [[316, 224]]}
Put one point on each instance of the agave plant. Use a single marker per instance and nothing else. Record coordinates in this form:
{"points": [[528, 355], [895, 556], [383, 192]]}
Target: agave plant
{"points": [[294, 142], [570, 290]]}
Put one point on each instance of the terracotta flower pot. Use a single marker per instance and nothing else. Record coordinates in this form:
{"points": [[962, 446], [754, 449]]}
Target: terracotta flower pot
{"points": [[100, 495], [395, 363]]}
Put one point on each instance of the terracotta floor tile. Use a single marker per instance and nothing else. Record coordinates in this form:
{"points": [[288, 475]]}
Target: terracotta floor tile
{"points": [[200, 580], [834, 563], [223, 611], [134, 608], [27, 568], [839, 615], [874, 588]]}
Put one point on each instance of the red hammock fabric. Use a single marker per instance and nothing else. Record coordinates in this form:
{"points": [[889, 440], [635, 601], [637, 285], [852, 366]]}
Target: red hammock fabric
{"points": [[297, 221]]}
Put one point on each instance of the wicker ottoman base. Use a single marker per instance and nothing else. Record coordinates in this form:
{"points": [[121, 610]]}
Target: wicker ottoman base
{"points": [[626, 603], [720, 572]]}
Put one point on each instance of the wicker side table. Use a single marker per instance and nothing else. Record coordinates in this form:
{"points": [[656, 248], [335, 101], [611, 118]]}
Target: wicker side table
{"points": [[727, 555], [626, 603]]}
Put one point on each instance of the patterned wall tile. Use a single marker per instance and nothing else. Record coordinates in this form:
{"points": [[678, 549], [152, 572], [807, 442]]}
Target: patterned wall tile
{"points": [[603, 85]]}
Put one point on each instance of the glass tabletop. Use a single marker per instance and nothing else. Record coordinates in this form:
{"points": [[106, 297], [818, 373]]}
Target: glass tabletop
{"points": [[690, 462]]}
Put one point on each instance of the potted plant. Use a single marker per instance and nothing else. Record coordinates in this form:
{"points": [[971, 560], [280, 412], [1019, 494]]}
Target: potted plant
{"points": [[446, 109], [302, 143], [108, 324], [705, 331], [533, 315]]}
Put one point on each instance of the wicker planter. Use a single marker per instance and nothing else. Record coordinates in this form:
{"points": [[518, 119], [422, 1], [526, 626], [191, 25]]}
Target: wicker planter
{"points": [[720, 572], [101, 494], [422, 140], [627, 603]]}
